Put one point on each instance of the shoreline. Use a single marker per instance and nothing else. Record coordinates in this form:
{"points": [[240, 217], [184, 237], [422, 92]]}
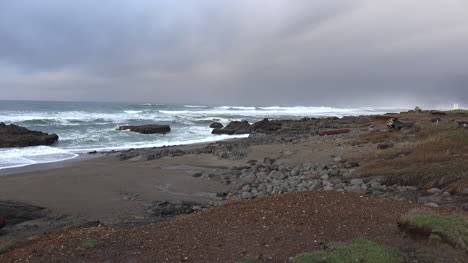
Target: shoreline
{"points": [[93, 154], [147, 185]]}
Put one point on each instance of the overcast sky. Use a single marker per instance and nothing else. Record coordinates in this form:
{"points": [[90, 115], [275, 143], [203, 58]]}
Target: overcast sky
{"points": [[236, 52]]}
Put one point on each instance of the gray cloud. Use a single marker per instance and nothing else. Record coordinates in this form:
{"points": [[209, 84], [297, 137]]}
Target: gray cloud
{"points": [[344, 52]]}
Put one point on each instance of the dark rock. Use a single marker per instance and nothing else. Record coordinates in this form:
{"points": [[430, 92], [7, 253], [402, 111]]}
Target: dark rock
{"points": [[384, 145], [197, 174], [398, 124], [223, 131], [2, 222], [435, 120], [173, 208], [234, 127], [266, 126], [417, 109], [15, 213], [216, 125], [92, 152], [17, 136], [148, 129]]}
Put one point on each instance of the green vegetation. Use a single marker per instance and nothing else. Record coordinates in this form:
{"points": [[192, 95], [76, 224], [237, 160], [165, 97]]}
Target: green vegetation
{"points": [[6, 248], [74, 226], [356, 250], [451, 229], [459, 111], [434, 156], [90, 243]]}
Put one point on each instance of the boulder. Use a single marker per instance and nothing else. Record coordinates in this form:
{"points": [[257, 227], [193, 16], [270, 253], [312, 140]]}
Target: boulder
{"points": [[17, 136], [396, 123], [462, 124], [266, 126], [216, 125], [417, 109], [234, 127], [147, 129]]}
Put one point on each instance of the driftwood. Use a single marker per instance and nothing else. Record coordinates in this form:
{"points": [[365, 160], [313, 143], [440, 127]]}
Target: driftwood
{"points": [[332, 132]]}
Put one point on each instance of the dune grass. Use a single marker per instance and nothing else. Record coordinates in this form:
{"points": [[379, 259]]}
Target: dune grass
{"points": [[356, 250], [431, 156], [451, 229]]}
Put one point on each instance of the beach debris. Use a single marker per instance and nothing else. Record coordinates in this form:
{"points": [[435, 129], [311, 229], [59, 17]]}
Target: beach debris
{"points": [[147, 129], [332, 132], [17, 136]]}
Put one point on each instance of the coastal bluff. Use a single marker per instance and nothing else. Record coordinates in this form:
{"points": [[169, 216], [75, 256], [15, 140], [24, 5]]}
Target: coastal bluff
{"points": [[17, 136]]}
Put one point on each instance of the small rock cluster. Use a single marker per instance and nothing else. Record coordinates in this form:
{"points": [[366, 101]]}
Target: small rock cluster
{"points": [[269, 178], [173, 208]]}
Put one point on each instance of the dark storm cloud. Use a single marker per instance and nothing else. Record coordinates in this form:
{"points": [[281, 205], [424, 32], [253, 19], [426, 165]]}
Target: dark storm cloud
{"points": [[351, 52]]}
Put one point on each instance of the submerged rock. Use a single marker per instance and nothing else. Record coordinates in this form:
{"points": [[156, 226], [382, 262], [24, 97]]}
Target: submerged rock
{"points": [[148, 129], [17, 136]]}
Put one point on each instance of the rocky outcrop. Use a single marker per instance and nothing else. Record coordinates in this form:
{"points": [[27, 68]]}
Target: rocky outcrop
{"points": [[216, 125], [2, 222], [14, 213], [234, 127], [17, 136], [396, 123], [148, 129]]}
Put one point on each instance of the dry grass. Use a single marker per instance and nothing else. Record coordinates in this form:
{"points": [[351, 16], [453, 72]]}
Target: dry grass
{"points": [[429, 156]]}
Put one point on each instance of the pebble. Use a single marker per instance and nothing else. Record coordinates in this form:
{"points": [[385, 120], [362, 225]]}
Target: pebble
{"points": [[434, 191], [356, 181]]}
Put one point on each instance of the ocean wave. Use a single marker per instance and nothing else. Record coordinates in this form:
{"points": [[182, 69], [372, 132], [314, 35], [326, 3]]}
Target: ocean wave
{"points": [[133, 111], [18, 157], [195, 106]]}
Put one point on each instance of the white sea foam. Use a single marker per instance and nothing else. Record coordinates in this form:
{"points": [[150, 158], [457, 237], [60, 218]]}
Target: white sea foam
{"points": [[133, 111], [82, 129], [17, 157]]}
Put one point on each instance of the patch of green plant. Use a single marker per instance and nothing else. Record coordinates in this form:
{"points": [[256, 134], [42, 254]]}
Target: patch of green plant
{"points": [[459, 111], [90, 243], [6, 248], [356, 250], [452, 229], [74, 226]]}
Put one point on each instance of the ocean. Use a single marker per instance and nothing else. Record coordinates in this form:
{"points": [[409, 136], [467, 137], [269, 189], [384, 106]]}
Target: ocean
{"points": [[88, 126]]}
